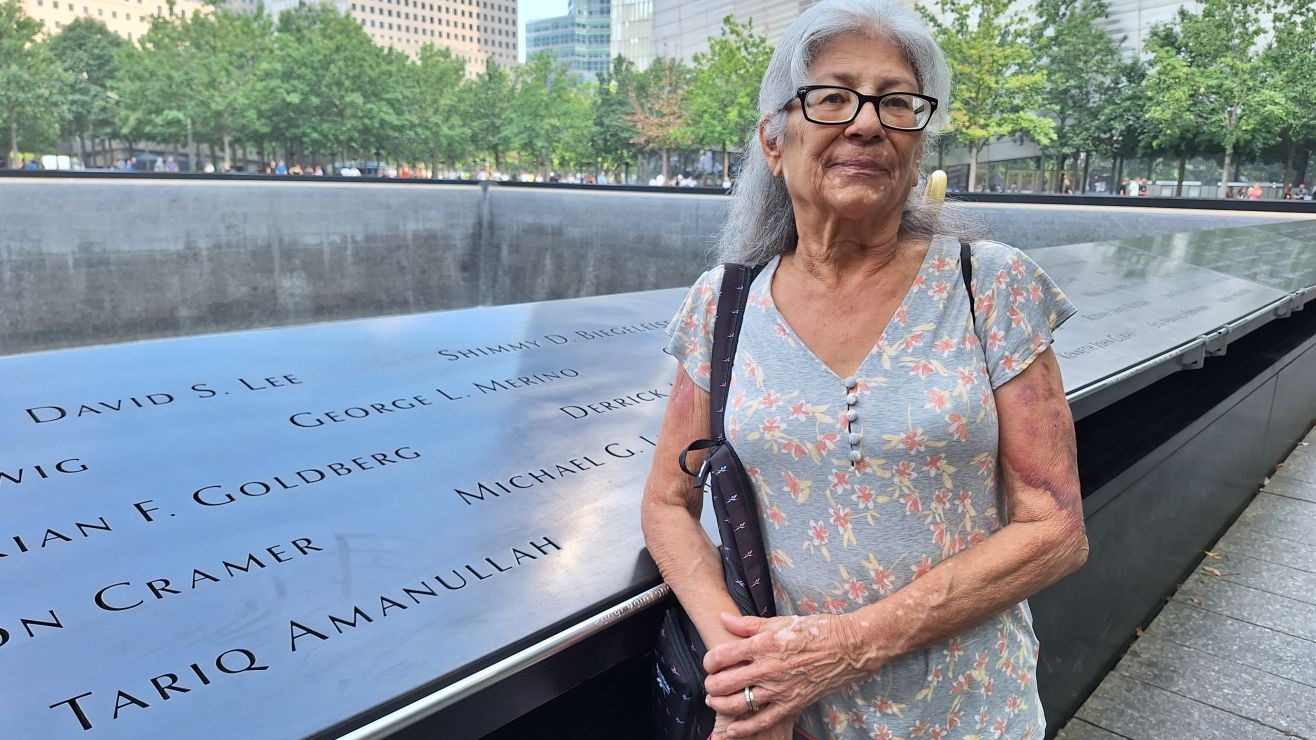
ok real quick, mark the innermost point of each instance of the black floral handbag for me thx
(678, 688)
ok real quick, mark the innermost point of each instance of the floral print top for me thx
(867, 482)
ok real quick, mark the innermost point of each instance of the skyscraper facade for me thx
(582, 37)
(632, 31)
(128, 18)
(681, 28)
(475, 30)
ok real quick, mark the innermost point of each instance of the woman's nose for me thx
(866, 122)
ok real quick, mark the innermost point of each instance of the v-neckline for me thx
(771, 272)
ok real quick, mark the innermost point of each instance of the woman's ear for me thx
(771, 152)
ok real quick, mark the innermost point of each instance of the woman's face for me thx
(857, 169)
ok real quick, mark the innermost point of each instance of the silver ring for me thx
(749, 699)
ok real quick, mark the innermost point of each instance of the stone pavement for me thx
(1233, 653)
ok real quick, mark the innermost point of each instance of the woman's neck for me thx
(835, 255)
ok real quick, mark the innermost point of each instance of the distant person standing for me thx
(1254, 192)
(1066, 187)
(1142, 186)
(170, 165)
(1124, 186)
(1301, 192)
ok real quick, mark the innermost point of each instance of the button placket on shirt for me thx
(854, 437)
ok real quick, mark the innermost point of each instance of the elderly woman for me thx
(911, 449)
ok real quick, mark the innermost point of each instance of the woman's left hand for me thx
(787, 662)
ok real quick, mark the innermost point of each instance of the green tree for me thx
(487, 109)
(1287, 62)
(612, 133)
(33, 86)
(998, 87)
(1179, 120)
(725, 88)
(1080, 60)
(1207, 73)
(436, 86)
(231, 54)
(659, 105)
(156, 83)
(550, 116)
(337, 91)
(1120, 125)
(86, 50)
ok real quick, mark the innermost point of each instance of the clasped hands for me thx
(788, 663)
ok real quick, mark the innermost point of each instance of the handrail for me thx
(480, 680)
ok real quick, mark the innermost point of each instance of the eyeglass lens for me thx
(841, 105)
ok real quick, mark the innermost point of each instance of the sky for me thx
(533, 10)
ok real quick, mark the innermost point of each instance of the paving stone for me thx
(1141, 711)
(1300, 465)
(1292, 488)
(1281, 580)
(1283, 705)
(1282, 517)
(1244, 538)
(1077, 729)
(1261, 648)
(1264, 608)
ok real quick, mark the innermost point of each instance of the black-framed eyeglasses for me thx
(834, 105)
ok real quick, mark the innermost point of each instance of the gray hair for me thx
(761, 223)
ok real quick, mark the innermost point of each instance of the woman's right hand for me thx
(784, 730)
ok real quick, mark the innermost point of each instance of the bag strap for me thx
(966, 271)
(736, 280)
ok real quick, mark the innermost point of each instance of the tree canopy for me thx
(1225, 79)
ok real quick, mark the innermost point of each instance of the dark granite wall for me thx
(94, 261)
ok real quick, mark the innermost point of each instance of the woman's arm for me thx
(792, 662)
(669, 515)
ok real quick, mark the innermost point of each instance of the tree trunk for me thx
(13, 138)
(1087, 168)
(1060, 171)
(974, 148)
(666, 159)
(1290, 151)
(1119, 173)
(82, 149)
(228, 151)
(191, 149)
(1300, 169)
(1229, 159)
(1183, 162)
(726, 163)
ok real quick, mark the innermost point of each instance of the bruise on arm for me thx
(684, 421)
(1038, 453)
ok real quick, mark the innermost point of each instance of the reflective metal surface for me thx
(267, 534)
(1136, 306)
(343, 512)
(1279, 255)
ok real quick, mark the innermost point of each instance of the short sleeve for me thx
(1018, 306)
(691, 330)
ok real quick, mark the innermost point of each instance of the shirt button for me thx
(850, 382)
(855, 437)
(856, 456)
(852, 415)
(852, 399)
